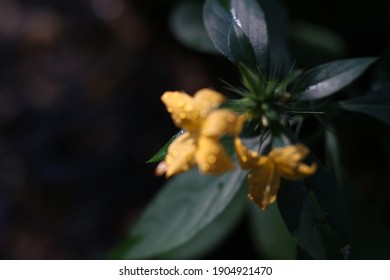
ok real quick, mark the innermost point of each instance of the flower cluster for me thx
(204, 125)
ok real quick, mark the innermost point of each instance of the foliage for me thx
(278, 98)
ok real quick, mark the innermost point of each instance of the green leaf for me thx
(186, 205)
(160, 155)
(278, 27)
(271, 237)
(326, 79)
(245, 20)
(186, 23)
(250, 18)
(208, 238)
(218, 21)
(315, 214)
(375, 104)
(240, 47)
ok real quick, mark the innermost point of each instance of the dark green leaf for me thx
(328, 78)
(208, 238)
(375, 104)
(242, 20)
(316, 215)
(218, 21)
(278, 27)
(160, 155)
(240, 47)
(187, 25)
(186, 205)
(271, 237)
(250, 18)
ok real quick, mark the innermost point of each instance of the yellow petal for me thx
(248, 159)
(306, 170)
(264, 183)
(207, 100)
(211, 157)
(288, 161)
(183, 109)
(293, 153)
(181, 153)
(220, 122)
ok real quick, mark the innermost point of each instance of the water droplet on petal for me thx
(211, 159)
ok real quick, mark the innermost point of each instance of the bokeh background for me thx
(80, 114)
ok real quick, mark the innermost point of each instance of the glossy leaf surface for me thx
(224, 18)
(214, 233)
(326, 79)
(186, 205)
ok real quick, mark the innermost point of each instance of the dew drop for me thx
(188, 108)
(211, 159)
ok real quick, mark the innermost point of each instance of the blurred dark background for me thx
(80, 112)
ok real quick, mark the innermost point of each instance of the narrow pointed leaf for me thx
(328, 78)
(240, 47)
(375, 104)
(218, 21)
(251, 19)
(221, 18)
(278, 28)
(160, 155)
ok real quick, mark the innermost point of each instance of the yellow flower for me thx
(204, 125)
(266, 171)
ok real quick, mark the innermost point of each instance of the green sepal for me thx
(160, 155)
